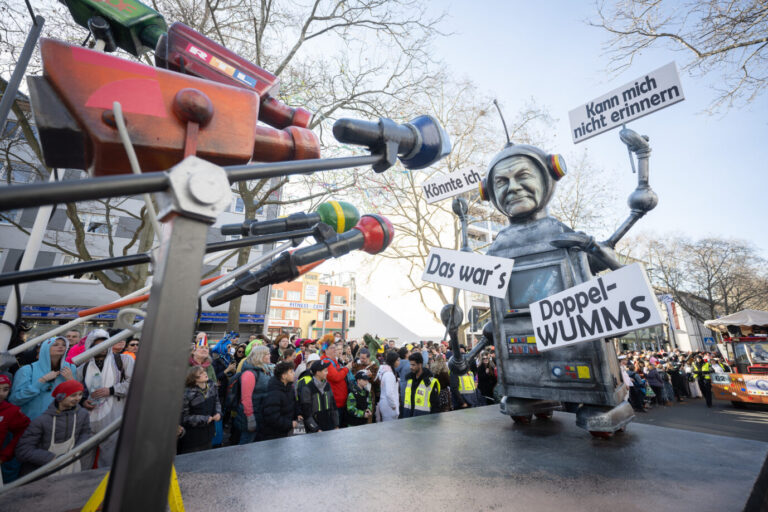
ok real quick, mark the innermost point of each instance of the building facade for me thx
(298, 307)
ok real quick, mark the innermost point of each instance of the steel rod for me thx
(9, 96)
(77, 321)
(40, 274)
(37, 194)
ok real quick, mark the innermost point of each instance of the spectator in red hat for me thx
(12, 425)
(63, 426)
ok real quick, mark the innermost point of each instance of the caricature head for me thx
(520, 181)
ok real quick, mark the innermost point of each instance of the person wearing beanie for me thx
(304, 372)
(107, 378)
(62, 427)
(33, 383)
(316, 401)
(280, 410)
(13, 422)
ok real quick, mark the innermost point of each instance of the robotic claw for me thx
(550, 257)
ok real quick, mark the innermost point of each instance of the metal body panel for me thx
(583, 373)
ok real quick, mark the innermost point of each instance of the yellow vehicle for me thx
(746, 350)
(748, 357)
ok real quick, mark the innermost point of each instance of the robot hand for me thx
(634, 141)
(601, 256)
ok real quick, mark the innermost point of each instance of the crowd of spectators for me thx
(238, 392)
(659, 378)
(235, 392)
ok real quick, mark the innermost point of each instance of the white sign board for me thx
(470, 271)
(610, 304)
(449, 185)
(649, 93)
(310, 292)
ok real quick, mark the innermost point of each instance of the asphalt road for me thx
(722, 419)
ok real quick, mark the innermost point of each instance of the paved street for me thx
(722, 419)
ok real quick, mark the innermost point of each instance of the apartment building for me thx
(298, 307)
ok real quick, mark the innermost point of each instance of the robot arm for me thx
(641, 201)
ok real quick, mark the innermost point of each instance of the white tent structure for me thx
(744, 318)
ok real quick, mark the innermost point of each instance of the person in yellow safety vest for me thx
(464, 390)
(703, 371)
(421, 389)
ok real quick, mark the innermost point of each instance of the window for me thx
(10, 128)
(319, 316)
(9, 216)
(69, 260)
(291, 314)
(277, 293)
(238, 206)
(339, 300)
(292, 295)
(275, 314)
(337, 316)
(20, 173)
(94, 223)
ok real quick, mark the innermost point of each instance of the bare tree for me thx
(584, 199)
(729, 38)
(711, 277)
(320, 50)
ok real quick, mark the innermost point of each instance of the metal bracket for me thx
(199, 190)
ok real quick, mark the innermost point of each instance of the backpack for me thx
(119, 363)
(232, 399)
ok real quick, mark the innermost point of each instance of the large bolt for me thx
(193, 106)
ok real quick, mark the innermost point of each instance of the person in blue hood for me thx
(33, 383)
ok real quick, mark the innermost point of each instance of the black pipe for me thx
(38, 194)
(40, 274)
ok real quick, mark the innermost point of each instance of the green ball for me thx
(340, 215)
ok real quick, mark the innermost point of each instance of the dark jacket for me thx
(279, 410)
(32, 449)
(358, 401)
(318, 408)
(654, 379)
(486, 380)
(434, 397)
(198, 406)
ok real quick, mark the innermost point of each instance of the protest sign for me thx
(649, 93)
(610, 304)
(449, 185)
(470, 271)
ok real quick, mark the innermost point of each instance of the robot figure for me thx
(549, 258)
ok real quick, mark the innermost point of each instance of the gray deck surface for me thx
(462, 460)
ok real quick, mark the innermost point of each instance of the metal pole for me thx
(146, 446)
(25, 196)
(137, 259)
(27, 261)
(21, 67)
(326, 311)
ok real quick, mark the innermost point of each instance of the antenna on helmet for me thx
(504, 123)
